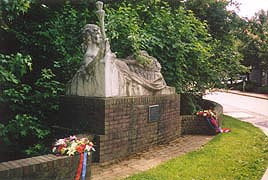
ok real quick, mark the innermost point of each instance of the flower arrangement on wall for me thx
(212, 120)
(71, 146)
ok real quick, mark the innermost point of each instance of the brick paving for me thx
(147, 159)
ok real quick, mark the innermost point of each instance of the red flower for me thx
(60, 148)
(80, 149)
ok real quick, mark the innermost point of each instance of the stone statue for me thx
(101, 74)
(92, 45)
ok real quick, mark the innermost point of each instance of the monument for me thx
(125, 104)
(101, 74)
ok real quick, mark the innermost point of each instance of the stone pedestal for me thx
(123, 125)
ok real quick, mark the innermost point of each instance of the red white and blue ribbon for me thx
(82, 167)
(84, 170)
(79, 169)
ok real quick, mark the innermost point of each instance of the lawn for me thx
(239, 155)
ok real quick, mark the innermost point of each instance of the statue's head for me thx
(91, 35)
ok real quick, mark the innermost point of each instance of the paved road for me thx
(250, 109)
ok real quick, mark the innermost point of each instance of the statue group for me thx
(102, 74)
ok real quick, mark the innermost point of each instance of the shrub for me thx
(26, 119)
(190, 103)
(50, 35)
(176, 38)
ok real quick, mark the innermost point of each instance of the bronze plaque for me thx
(154, 113)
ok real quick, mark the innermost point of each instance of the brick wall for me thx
(192, 124)
(82, 114)
(121, 124)
(121, 128)
(46, 167)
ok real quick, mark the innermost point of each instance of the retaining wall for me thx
(47, 167)
(192, 124)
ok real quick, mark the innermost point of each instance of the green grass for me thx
(239, 155)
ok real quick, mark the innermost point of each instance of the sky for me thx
(249, 7)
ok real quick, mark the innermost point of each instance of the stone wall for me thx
(46, 167)
(192, 124)
(121, 124)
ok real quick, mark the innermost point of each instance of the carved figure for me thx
(92, 47)
(102, 74)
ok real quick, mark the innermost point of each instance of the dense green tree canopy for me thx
(225, 26)
(176, 38)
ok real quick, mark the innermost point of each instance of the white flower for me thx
(54, 149)
(60, 142)
(73, 144)
(68, 146)
(89, 147)
(73, 138)
(70, 151)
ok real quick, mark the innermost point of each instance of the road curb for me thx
(260, 96)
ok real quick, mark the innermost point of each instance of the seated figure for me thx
(101, 74)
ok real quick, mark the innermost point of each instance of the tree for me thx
(214, 13)
(224, 26)
(255, 42)
(39, 50)
(175, 37)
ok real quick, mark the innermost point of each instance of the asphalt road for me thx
(249, 109)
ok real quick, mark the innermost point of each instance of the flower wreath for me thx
(71, 146)
(212, 121)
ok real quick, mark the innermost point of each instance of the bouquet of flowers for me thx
(72, 145)
(206, 113)
(212, 121)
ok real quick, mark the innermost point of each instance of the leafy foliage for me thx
(255, 41)
(9, 10)
(50, 35)
(190, 103)
(224, 26)
(20, 122)
(176, 38)
(124, 30)
(55, 42)
(214, 13)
